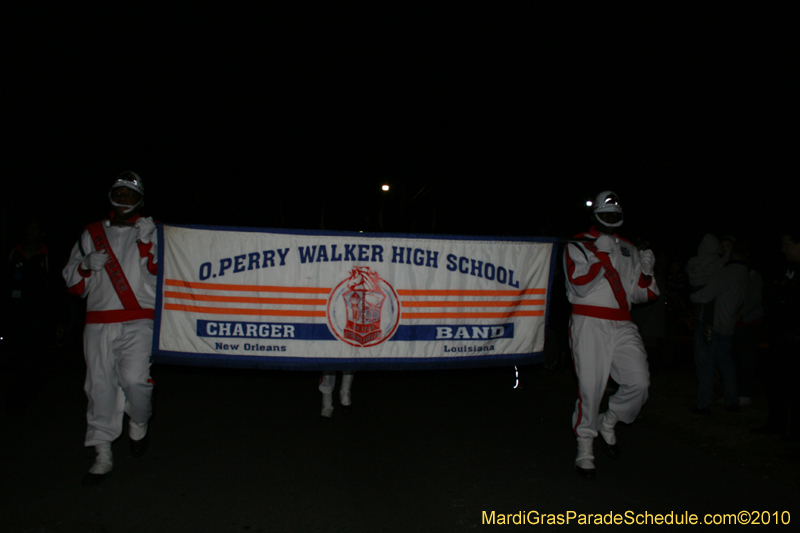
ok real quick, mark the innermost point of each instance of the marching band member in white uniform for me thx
(113, 266)
(605, 276)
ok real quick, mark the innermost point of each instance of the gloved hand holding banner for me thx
(324, 300)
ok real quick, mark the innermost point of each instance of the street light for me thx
(384, 188)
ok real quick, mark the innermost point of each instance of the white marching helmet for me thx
(132, 181)
(607, 202)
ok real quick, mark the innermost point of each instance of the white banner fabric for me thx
(349, 301)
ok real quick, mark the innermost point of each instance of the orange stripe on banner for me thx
(471, 315)
(228, 311)
(437, 292)
(249, 288)
(473, 303)
(242, 299)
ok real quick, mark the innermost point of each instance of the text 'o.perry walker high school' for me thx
(363, 253)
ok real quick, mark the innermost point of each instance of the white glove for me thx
(146, 228)
(95, 261)
(605, 243)
(648, 261)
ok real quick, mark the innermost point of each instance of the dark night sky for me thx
(506, 118)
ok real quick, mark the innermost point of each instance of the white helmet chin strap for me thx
(614, 225)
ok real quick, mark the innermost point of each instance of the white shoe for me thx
(606, 427)
(344, 391)
(327, 405)
(584, 462)
(101, 468)
(104, 461)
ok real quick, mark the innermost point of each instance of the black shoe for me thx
(93, 480)
(585, 473)
(733, 408)
(138, 447)
(698, 411)
(612, 450)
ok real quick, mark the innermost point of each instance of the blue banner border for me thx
(299, 363)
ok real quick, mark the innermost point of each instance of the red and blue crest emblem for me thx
(363, 310)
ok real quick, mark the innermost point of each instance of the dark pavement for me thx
(246, 451)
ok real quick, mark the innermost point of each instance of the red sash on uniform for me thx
(612, 276)
(114, 270)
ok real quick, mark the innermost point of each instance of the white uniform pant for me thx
(117, 377)
(601, 348)
(328, 381)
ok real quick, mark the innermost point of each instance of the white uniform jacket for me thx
(593, 290)
(126, 288)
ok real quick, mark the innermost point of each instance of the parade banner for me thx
(323, 300)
